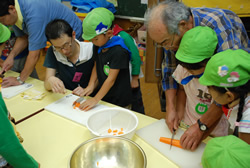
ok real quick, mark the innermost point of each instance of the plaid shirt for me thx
(230, 31)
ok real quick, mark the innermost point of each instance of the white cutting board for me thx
(12, 91)
(64, 108)
(183, 158)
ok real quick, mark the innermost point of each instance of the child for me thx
(225, 152)
(227, 76)
(10, 148)
(136, 73)
(193, 99)
(111, 61)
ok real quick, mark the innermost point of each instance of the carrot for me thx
(119, 133)
(121, 129)
(109, 130)
(115, 131)
(175, 142)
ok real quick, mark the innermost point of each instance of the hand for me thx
(172, 120)
(134, 83)
(10, 81)
(192, 137)
(7, 64)
(88, 104)
(57, 85)
(84, 92)
(78, 91)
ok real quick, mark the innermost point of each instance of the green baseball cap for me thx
(4, 33)
(98, 21)
(225, 152)
(228, 68)
(197, 44)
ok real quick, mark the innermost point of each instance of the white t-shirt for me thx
(198, 101)
(244, 124)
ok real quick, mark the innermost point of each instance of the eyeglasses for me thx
(165, 43)
(66, 46)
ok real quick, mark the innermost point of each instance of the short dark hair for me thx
(4, 6)
(193, 66)
(56, 28)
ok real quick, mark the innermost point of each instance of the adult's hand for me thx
(56, 85)
(172, 120)
(10, 81)
(192, 137)
(7, 64)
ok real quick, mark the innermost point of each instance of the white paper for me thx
(12, 91)
(64, 108)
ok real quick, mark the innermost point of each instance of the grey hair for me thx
(171, 15)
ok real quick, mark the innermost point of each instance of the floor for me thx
(149, 92)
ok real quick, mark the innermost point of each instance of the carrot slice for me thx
(121, 129)
(109, 130)
(175, 142)
(115, 131)
(119, 133)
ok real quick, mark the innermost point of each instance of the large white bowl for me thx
(114, 119)
(108, 152)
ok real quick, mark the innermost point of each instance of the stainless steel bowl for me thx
(108, 152)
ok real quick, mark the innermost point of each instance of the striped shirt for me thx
(230, 31)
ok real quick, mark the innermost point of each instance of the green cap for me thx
(4, 33)
(228, 68)
(197, 44)
(98, 21)
(225, 152)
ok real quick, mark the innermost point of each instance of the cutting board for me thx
(12, 91)
(183, 158)
(64, 108)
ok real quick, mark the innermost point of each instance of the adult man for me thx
(167, 23)
(68, 62)
(29, 19)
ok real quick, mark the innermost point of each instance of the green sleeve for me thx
(11, 149)
(135, 57)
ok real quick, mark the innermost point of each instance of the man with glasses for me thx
(68, 62)
(166, 24)
(29, 19)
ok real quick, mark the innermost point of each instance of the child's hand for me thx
(88, 104)
(78, 91)
(87, 91)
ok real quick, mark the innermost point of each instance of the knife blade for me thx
(78, 100)
(172, 139)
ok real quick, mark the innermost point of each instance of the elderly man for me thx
(166, 24)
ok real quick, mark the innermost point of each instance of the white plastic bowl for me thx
(119, 119)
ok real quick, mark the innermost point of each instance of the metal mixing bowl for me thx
(108, 152)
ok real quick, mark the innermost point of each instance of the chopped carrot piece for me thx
(115, 131)
(121, 129)
(77, 104)
(175, 142)
(97, 163)
(119, 133)
(109, 130)
(114, 134)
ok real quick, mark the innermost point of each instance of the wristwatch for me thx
(203, 127)
(19, 80)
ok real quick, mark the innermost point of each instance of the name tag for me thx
(77, 77)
